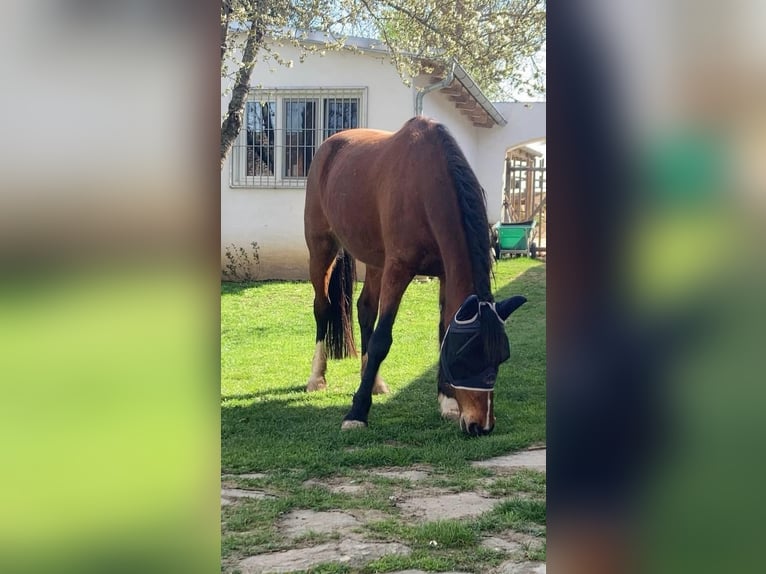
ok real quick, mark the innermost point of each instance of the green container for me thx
(514, 236)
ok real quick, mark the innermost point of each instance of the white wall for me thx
(438, 106)
(485, 148)
(274, 217)
(526, 123)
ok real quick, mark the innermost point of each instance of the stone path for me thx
(229, 494)
(444, 506)
(301, 522)
(351, 552)
(348, 545)
(533, 459)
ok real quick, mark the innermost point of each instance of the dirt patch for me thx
(367, 515)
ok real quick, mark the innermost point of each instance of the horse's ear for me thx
(507, 306)
(468, 309)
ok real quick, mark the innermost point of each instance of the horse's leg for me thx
(447, 403)
(395, 279)
(367, 310)
(321, 260)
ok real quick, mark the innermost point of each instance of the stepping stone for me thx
(495, 543)
(300, 522)
(253, 475)
(446, 506)
(340, 488)
(242, 493)
(521, 568)
(517, 540)
(354, 553)
(532, 459)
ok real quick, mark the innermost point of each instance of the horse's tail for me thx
(340, 290)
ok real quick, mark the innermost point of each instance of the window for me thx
(340, 114)
(284, 128)
(300, 136)
(259, 133)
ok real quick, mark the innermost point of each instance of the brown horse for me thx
(406, 204)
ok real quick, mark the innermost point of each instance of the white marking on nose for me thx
(449, 407)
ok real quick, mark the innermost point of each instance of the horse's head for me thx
(474, 346)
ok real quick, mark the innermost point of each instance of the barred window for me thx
(260, 134)
(284, 128)
(340, 114)
(300, 136)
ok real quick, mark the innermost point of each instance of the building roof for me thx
(471, 101)
(524, 150)
(463, 91)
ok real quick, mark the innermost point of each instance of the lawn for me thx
(269, 422)
(271, 426)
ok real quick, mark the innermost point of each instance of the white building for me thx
(290, 111)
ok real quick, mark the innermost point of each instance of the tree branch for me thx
(409, 13)
(225, 20)
(232, 123)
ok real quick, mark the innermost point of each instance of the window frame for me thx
(238, 177)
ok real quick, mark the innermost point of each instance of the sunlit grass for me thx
(269, 422)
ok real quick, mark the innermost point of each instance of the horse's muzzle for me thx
(474, 429)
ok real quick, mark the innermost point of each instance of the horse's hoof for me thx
(348, 425)
(380, 387)
(318, 384)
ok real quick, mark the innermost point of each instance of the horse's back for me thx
(372, 188)
(377, 152)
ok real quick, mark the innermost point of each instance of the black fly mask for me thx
(463, 359)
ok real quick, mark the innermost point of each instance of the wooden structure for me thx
(524, 192)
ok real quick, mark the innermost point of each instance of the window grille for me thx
(283, 129)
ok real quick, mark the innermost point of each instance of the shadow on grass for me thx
(298, 434)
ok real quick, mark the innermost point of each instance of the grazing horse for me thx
(406, 204)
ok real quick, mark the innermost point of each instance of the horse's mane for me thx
(473, 208)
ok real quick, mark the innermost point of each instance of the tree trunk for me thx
(232, 123)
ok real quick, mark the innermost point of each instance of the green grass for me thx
(270, 424)
(523, 481)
